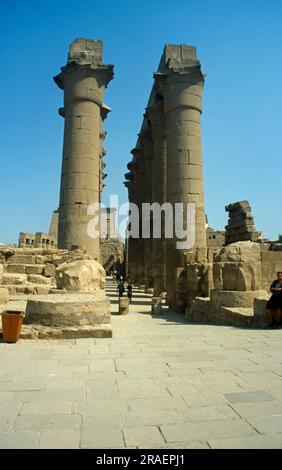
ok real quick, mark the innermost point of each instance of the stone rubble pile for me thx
(241, 226)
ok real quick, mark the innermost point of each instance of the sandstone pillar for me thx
(131, 271)
(139, 244)
(183, 88)
(146, 141)
(83, 80)
(158, 122)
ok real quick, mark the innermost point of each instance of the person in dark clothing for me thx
(121, 289)
(274, 305)
(129, 291)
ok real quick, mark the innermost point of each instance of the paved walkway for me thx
(159, 383)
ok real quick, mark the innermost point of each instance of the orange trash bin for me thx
(11, 325)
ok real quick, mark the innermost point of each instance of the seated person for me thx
(274, 305)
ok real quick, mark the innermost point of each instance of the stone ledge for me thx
(43, 332)
(203, 311)
(28, 289)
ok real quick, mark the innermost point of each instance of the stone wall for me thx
(271, 264)
(215, 238)
(242, 274)
(32, 271)
(37, 240)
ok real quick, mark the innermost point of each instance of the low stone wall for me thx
(32, 271)
(271, 262)
(206, 311)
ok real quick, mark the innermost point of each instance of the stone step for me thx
(28, 289)
(13, 279)
(27, 268)
(21, 259)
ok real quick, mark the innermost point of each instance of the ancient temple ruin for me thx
(211, 275)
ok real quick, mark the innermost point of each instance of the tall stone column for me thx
(184, 82)
(130, 248)
(83, 80)
(139, 244)
(158, 122)
(146, 141)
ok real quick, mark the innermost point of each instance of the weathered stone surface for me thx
(1, 272)
(244, 299)
(260, 309)
(271, 264)
(34, 269)
(4, 295)
(84, 275)
(33, 289)
(16, 268)
(39, 259)
(69, 310)
(202, 310)
(34, 331)
(37, 279)
(16, 279)
(21, 259)
(83, 80)
(240, 224)
(238, 267)
(49, 270)
(123, 306)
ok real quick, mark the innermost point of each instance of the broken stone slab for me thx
(69, 310)
(82, 275)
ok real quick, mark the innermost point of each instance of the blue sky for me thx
(239, 43)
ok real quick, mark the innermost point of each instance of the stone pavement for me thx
(158, 383)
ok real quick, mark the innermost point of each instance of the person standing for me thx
(129, 291)
(274, 305)
(121, 289)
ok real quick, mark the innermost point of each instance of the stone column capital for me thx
(84, 82)
(183, 88)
